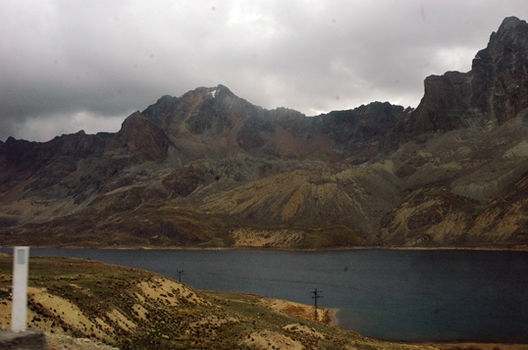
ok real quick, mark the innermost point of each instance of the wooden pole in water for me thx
(20, 282)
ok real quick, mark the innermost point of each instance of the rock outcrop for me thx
(493, 92)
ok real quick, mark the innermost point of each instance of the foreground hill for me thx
(136, 309)
(211, 169)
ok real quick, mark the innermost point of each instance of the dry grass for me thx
(136, 309)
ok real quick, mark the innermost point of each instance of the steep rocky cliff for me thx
(211, 169)
(493, 92)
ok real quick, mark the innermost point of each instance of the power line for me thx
(180, 272)
(316, 295)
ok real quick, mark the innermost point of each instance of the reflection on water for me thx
(389, 294)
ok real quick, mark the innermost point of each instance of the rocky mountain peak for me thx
(510, 25)
(221, 90)
(216, 92)
(169, 109)
(493, 92)
(511, 38)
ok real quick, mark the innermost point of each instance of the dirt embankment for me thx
(324, 314)
(85, 305)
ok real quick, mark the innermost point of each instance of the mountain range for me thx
(210, 169)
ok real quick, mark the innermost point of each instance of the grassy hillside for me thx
(136, 309)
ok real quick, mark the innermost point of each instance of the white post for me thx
(20, 282)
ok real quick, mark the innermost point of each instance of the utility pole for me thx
(180, 272)
(316, 295)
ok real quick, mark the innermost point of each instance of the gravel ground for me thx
(65, 342)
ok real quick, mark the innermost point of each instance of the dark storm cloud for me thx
(67, 65)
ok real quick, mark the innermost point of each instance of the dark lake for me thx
(421, 295)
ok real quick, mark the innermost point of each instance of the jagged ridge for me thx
(210, 168)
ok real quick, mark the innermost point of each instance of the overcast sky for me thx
(71, 65)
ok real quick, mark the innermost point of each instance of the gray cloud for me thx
(67, 65)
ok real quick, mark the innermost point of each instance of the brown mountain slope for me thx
(211, 169)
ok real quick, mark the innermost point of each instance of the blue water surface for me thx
(405, 295)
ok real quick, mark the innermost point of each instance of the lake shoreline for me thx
(332, 316)
(333, 249)
(351, 281)
(473, 346)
